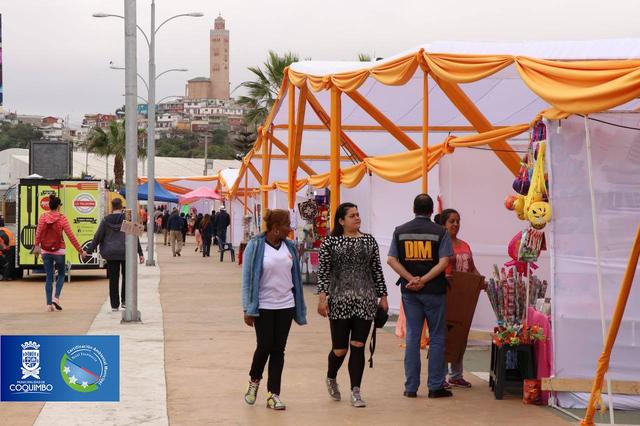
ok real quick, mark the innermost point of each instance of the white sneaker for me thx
(251, 392)
(333, 389)
(356, 399)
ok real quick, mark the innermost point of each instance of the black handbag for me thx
(378, 322)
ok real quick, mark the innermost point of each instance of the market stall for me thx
(455, 124)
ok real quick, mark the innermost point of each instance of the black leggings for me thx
(116, 268)
(272, 329)
(344, 331)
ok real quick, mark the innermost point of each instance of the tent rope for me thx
(596, 242)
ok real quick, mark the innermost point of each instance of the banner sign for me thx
(82, 205)
(60, 368)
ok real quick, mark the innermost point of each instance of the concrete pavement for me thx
(188, 362)
(142, 379)
(209, 349)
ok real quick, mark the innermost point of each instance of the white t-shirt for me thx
(276, 283)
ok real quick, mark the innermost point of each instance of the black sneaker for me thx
(440, 393)
(410, 394)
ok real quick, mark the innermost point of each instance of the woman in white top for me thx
(272, 298)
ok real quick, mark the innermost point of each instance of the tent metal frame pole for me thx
(265, 174)
(246, 188)
(425, 133)
(283, 148)
(470, 111)
(334, 174)
(614, 328)
(350, 147)
(291, 140)
(383, 120)
(297, 139)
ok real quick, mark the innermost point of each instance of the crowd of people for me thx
(207, 229)
(352, 294)
(49, 244)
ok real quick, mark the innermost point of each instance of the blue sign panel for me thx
(60, 368)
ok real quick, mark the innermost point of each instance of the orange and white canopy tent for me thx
(335, 121)
(335, 124)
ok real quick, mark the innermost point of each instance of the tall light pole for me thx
(151, 116)
(131, 313)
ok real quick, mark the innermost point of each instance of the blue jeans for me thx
(417, 308)
(50, 262)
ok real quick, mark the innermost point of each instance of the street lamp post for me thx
(131, 313)
(151, 117)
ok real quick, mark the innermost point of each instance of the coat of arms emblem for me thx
(30, 360)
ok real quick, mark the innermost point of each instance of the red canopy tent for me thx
(202, 193)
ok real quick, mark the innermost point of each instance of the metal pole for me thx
(86, 156)
(151, 142)
(206, 150)
(131, 313)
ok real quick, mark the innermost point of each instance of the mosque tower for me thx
(219, 60)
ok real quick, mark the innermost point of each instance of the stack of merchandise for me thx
(247, 232)
(507, 292)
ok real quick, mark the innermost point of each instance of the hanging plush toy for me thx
(509, 202)
(536, 209)
(518, 206)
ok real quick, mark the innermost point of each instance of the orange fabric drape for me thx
(465, 68)
(284, 185)
(394, 73)
(319, 181)
(573, 87)
(351, 176)
(581, 87)
(486, 138)
(397, 72)
(403, 167)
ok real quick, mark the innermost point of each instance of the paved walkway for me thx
(142, 380)
(205, 350)
(209, 350)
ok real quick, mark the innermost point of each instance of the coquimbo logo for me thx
(59, 368)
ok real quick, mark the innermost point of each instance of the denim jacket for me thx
(252, 271)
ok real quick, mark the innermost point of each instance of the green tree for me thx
(17, 135)
(219, 136)
(191, 145)
(263, 90)
(243, 142)
(112, 141)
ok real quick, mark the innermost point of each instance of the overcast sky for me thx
(56, 55)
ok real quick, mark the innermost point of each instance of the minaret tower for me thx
(219, 60)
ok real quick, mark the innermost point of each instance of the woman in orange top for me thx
(462, 261)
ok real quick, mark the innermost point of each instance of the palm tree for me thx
(263, 91)
(112, 141)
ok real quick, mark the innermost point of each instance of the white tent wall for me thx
(236, 211)
(391, 204)
(576, 312)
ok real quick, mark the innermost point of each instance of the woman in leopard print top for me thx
(350, 282)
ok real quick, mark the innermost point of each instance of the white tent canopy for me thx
(473, 181)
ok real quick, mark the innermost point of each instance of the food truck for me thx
(84, 205)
